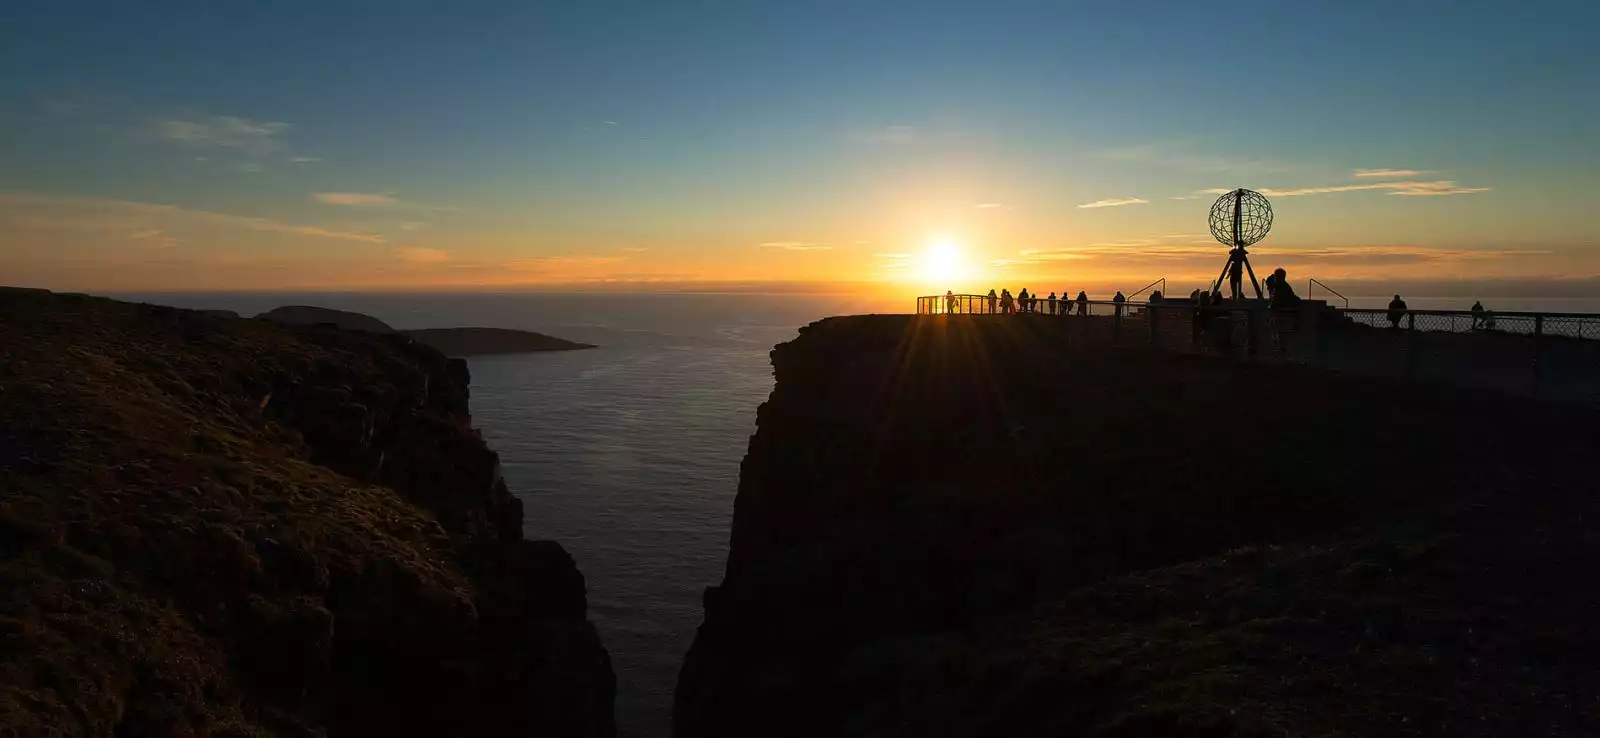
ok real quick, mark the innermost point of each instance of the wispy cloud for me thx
(412, 225)
(989, 205)
(895, 135)
(1114, 202)
(357, 199)
(422, 255)
(304, 159)
(559, 263)
(122, 215)
(795, 246)
(636, 249)
(1410, 189)
(253, 137)
(1386, 173)
(1400, 253)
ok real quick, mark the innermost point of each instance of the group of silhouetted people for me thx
(1005, 303)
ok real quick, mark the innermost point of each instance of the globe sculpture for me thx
(1239, 219)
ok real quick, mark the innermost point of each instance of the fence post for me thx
(1151, 314)
(1411, 342)
(1538, 336)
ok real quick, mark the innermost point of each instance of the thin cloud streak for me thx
(356, 199)
(795, 246)
(145, 211)
(256, 138)
(1409, 189)
(1387, 173)
(1114, 202)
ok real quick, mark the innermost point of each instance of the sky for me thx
(915, 146)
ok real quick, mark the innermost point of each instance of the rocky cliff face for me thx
(970, 527)
(215, 526)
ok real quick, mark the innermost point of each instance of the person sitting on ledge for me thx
(1397, 310)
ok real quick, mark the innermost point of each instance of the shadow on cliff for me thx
(919, 489)
(216, 526)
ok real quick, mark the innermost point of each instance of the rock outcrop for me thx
(479, 341)
(226, 527)
(312, 315)
(967, 526)
(454, 342)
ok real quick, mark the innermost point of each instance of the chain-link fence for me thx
(1551, 355)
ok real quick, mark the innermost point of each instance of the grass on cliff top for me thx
(153, 525)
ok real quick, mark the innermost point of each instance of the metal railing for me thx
(1161, 281)
(1551, 355)
(1319, 283)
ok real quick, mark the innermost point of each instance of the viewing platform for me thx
(1553, 356)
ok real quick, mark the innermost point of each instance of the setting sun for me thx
(941, 262)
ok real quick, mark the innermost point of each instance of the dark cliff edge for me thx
(454, 342)
(212, 526)
(966, 526)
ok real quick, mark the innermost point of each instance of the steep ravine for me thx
(969, 526)
(213, 526)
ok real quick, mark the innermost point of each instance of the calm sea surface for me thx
(627, 454)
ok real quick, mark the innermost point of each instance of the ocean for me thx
(628, 454)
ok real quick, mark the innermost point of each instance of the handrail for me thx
(1162, 281)
(1315, 281)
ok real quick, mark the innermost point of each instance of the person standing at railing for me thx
(991, 301)
(1477, 314)
(1118, 301)
(949, 301)
(1052, 300)
(1397, 310)
(1025, 301)
(1006, 301)
(1083, 302)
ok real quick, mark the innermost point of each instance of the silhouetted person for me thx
(1279, 293)
(1083, 302)
(1477, 315)
(1236, 278)
(1024, 302)
(1156, 297)
(1006, 301)
(1397, 310)
(1052, 300)
(949, 301)
(991, 301)
(1119, 300)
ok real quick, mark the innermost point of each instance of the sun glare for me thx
(941, 262)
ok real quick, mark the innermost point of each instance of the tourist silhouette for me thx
(1477, 315)
(1023, 301)
(1006, 301)
(1052, 301)
(1119, 300)
(1279, 293)
(1156, 297)
(991, 301)
(1083, 302)
(1397, 310)
(949, 301)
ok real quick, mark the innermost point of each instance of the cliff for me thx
(455, 342)
(226, 527)
(969, 526)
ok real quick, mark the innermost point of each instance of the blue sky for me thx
(619, 142)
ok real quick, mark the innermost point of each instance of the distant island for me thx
(456, 342)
